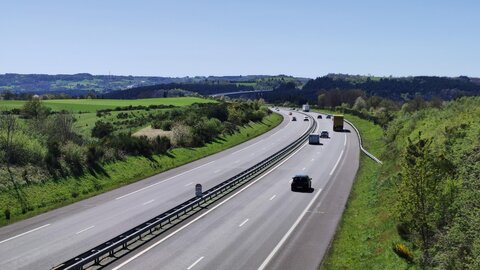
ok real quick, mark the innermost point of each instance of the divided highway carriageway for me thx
(260, 225)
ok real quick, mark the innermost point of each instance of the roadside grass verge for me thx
(366, 232)
(53, 194)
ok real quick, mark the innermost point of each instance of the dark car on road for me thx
(301, 182)
(319, 116)
(305, 119)
(324, 134)
(294, 118)
(329, 116)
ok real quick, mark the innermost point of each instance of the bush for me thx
(94, 153)
(25, 149)
(206, 130)
(163, 125)
(131, 145)
(102, 129)
(161, 144)
(229, 128)
(403, 252)
(74, 157)
(182, 135)
(34, 109)
(122, 115)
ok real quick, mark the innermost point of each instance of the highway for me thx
(46, 240)
(264, 225)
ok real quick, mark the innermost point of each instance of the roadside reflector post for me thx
(198, 191)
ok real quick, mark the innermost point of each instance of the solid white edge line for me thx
(145, 203)
(284, 238)
(207, 212)
(243, 223)
(165, 180)
(86, 229)
(193, 264)
(336, 164)
(22, 234)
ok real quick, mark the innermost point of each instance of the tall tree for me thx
(34, 109)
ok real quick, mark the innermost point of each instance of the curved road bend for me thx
(51, 238)
(265, 226)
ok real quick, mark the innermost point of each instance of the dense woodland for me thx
(163, 90)
(80, 84)
(396, 89)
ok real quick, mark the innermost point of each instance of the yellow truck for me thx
(338, 123)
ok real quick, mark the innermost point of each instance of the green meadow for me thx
(92, 105)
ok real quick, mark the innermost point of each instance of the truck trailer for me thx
(305, 107)
(338, 122)
(313, 139)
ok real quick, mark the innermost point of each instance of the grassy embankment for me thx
(53, 194)
(366, 232)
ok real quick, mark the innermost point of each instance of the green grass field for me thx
(92, 105)
(53, 194)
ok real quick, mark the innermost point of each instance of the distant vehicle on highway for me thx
(305, 119)
(314, 138)
(294, 118)
(338, 123)
(306, 107)
(329, 116)
(319, 116)
(301, 182)
(324, 134)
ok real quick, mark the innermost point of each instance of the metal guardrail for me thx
(361, 145)
(122, 242)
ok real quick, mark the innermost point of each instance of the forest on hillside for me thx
(396, 89)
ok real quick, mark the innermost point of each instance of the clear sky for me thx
(189, 38)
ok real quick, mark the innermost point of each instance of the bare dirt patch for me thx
(152, 133)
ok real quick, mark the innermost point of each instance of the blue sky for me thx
(189, 38)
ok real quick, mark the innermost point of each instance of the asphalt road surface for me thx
(265, 225)
(46, 240)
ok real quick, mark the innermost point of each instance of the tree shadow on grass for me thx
(170, 155)
(219, 140)
(96, 170)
